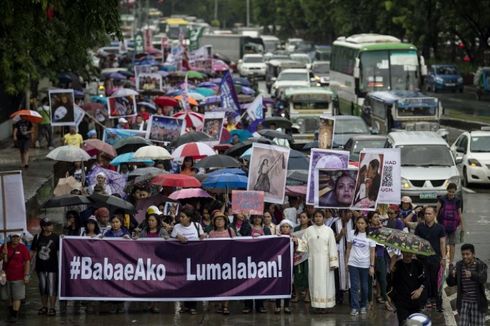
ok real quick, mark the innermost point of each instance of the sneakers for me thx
(354, 312)
(363, 311)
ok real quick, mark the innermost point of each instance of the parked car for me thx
(427, 165)
(356, 144)
(472, 152)
(443, 78)
(252, 65)
(346, 127)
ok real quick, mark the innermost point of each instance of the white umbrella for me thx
(124, 92)
(152, 152)
(68, 153)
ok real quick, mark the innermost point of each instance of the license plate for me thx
(428, 195)
(450, 84)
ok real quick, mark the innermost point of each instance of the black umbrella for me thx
(111, 202)
(310, 145)
(297, 177)
(130, 144)
(270, 133)
(261, 140)
(142, 171)
(298, 163)
(195, 136)
(218, 161)
(238, 149)
(67, 200)
(280, 122)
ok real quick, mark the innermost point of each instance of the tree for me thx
(41, 38)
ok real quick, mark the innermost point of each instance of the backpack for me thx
(449, 215)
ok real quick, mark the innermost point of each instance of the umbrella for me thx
(296, 177)
(114, 180)
(298, 161)
(189, 193)
(197, 96)
(143, 204)
(238, 149)
(100, 146)
(204, 91)
(165, 101)
(194, 150)
(194, 75)
(111, 202)
(215, 99)
(243, 134)
(218, 161)
(241, 81)
(116, 76)
(221, 147)
(225, 181)
(270, 133)
(191, 119)
(125, 92)
(129, 158)
(130, 144)
(99, 99)
(261, 140)
(296, 190)
(207, 84)
(310, 145)
(67, 200)
(176, 180)
(66, 185)
(153, 152)
(247, 90)
(92, 106)
(147, 105)
(68, 153)
(29, 115)
(403, 241)
(228, 171)
(142, 171)
(193, 136)
(190, 100)
(280, 122)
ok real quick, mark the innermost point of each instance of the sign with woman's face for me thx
(369, 181)
(61, 102)
(336, 187)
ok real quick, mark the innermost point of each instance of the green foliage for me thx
(35, 44)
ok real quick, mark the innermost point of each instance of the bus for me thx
(175, 26)
(365, 63)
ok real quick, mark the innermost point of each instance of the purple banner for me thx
(146, 270)
(229, 97)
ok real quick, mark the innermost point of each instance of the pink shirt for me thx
(222, 234)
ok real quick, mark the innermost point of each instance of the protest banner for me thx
(268, 171)
(61, 102)
(121, 106)
(162, 270)
(323, 159)
(390, 190)
(213, 125)
(12, 203)
(113, 135)
(164, 129)
(247, 202)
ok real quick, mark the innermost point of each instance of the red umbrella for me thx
(191, 119)
(225, 136)
(99, 145)
(195, 150)
(165, 101)
(30, 115)
(92, 106)
(296, 190)
(221, 147)
(176, 180)
(189, 193)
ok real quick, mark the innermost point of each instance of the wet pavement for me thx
(465, 102)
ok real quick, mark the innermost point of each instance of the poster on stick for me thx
(390, 190)
(247, 202)
(12, 203)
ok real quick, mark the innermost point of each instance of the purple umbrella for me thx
(247, 90)
(207, 84)
(163, 73)
(215, 99)
(114, 180)
(116, 76)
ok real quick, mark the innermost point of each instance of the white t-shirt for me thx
(359, 253)
(189, 232)
(291, 213)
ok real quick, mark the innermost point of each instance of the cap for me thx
(406, 199)
(92, 219)
(101, 174)
(45, 222)
(91, 133)
(16, 234)
(286, 221)
(122, 120)
(153, 210)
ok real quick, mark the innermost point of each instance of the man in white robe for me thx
(319, 241)
(341, 228)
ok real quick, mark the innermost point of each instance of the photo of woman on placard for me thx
(336, 188)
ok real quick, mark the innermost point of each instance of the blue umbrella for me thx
(128, 158)
(116, 76)
(227, 171)
(207, 84)
(225, 181)
(243, 134)
(241, 81)
(148, 105)
(99, 99)
(204, 91)
(174, 92)
(78, 93)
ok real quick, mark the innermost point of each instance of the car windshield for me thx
(350, 126)
(321, 68)
(294, 76)
(448, 70)
(360, 145)
(253, 59)
(302, 59)
(480, 144)
(427, 155)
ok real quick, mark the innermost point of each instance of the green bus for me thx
(366, 63)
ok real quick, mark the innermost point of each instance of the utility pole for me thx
(215, 9)
(248, 13)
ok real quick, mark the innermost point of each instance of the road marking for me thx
(468, 190)
(448, 311)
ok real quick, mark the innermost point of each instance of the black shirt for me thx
(23, 127)
(406, 279)
(432, 234)
(46, 248)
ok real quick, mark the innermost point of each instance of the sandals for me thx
(42, 311)
(277, 310)
(295, 299)
(307, 299)
(226, 311)
(193, 312)
(246, 311)
(51, 312)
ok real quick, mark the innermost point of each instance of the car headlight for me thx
(456, 180)
(406, 184)
(473, 163)
(460, 80)
(439, 80)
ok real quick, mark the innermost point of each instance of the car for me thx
(427, 165)
(321, 72)
(346, 127)
(472, 152)
(302, 58)
(444, 77)
(252, 65)
(290, 78)
(358, 143)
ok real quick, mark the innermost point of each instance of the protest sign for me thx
(390, 190)
(326, 132)
(121, 106)
(164, 129)
(247, 202)
(113, 135)
(12, 204)
(160, 270)
(213, 125)
(335, 188)
(368, 181)
(61, 102)
(268, 171)
(149, 82)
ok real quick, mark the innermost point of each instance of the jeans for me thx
(380, 278)
(359, 278)
(432, 264)
(45, 132)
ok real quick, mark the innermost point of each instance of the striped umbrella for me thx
(189, 193)
(191, 119)
(194, 150)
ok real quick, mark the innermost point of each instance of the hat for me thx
(286, 221)
(153, 210)
(45, 222)
(394, 208)
(16, 234)
(91, 133)
(101, 174)
(406, 199)
(122, 120)
(92, 219)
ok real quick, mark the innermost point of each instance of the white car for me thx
(252, 65)
(472, 152)
(303, 58)
(290, 78)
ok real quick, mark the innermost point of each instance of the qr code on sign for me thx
(387, 176)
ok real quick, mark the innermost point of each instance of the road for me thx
(465, 102)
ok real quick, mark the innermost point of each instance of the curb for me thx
(463, 124)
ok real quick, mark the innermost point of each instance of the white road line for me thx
(448, 311)
(468, 190)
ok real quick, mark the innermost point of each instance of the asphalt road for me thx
(465, 102)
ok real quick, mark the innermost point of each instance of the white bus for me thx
(365, 63)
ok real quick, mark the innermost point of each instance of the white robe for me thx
(344, 277)
(319, 242)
